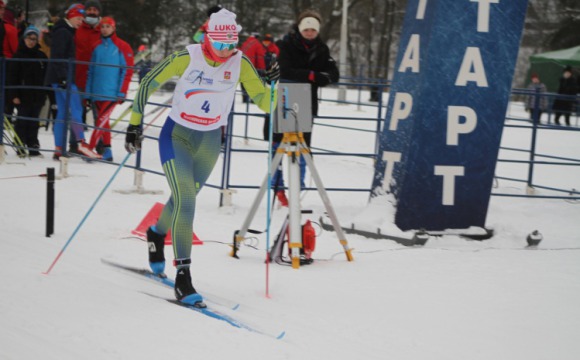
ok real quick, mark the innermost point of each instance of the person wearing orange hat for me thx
(8, 35)
(190, 140)
(260, 51)
(106, 85)
(63, 48)
(536, 104)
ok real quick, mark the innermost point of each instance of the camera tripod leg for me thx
(239, 236)
(295, 241)
(329, 209)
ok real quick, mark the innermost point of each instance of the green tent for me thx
(550, 65)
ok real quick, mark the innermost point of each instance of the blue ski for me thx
(163, 279)
(213, 313)
(208, 311)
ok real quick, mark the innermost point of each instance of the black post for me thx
(27, 10)
(49, 201)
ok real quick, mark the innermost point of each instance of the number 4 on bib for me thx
(205, 106)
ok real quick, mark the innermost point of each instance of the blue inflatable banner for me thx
(446, 110)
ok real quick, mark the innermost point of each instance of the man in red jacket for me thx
(86, 36)
(8, 35)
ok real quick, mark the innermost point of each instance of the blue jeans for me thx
(76, 115)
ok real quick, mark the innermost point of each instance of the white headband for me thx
(309, 23)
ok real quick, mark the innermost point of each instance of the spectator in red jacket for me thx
(86, 36)
(254, 51)
(260, 52)
(8, 35)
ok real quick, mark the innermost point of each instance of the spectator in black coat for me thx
(567, 87)
(28, 101)
(303, 58)
(63, 48)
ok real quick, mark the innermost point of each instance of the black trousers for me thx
(27, 130)
(566, 117)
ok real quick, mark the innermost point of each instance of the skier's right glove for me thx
(273, 72)
(133, 139)
(322, 78)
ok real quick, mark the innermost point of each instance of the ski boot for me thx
(57, 153)
(156, 244)
(107, 154)
(184, 290)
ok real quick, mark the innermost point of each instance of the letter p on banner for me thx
(437, 107)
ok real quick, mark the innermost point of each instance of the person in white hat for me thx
(303, 58)
(190, 141)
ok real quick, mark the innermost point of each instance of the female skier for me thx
(189, 143)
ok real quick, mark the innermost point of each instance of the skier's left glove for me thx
(273, 72)
(133, 139)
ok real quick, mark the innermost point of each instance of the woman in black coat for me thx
(29, 102)
(567, 87)
(303, 58)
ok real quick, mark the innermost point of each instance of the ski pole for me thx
(268, 198)
(47, 272)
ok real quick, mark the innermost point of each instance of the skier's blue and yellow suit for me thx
(188, 154)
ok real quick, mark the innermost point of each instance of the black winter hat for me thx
(95, 4)
(214, 9)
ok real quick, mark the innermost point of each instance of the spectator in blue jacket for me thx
(107, 85)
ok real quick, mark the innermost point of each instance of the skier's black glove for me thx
(133, 139)
(273, 72)
(322, 78)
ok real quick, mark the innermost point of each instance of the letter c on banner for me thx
(402, 106)
(454, 127)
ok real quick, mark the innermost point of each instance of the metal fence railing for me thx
(371, 95)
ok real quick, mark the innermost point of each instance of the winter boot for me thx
(33, 151)
(184, 290)
(57, 153)
(107, 153)
(156, 244)
(282, 198)
(100, 148)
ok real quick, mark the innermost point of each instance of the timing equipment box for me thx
(294, 109)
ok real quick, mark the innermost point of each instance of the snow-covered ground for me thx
(450, 299)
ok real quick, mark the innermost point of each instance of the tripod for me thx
(293, 146)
